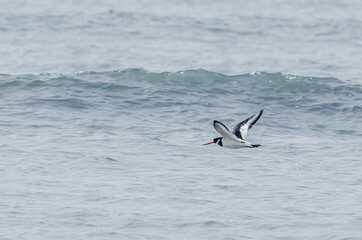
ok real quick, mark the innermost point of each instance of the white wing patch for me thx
(241, 130)
(224, 131)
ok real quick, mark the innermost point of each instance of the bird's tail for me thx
(254, 145)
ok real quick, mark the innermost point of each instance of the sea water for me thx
(105, 107)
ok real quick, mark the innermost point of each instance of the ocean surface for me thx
(105, 106)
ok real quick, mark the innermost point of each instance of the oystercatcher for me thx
(235, 139)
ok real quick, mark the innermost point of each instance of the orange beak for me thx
(207, 143)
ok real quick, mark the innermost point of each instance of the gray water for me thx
(105, 107)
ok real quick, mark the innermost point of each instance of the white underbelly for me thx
(231, 143)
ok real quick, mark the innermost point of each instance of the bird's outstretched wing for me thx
(241, 130)
(223, 130)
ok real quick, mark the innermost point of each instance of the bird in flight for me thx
(235, 139)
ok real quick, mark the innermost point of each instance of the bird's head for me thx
(216, 140)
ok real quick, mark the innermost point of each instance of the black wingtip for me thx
(255, 120)
(217, 122)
